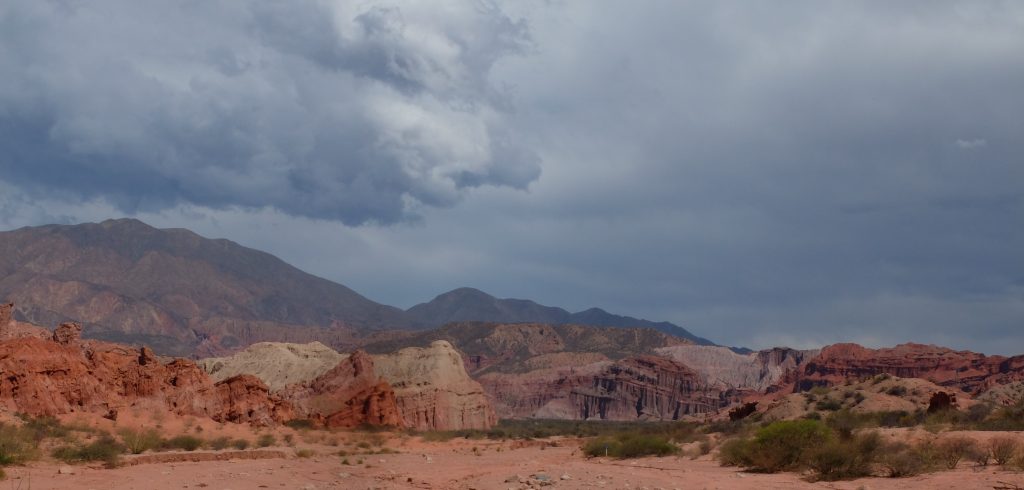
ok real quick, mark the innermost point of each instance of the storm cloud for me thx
(774, 173)
(319, 109)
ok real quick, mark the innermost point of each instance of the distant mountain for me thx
(468, 305)
(184, 294)
(173, 289)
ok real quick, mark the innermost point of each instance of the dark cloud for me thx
(318, 109)
(796, 173)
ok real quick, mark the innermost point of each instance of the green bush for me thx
(300, 424)
(735, 452)
(896, 390)
(266, 440)
(781, 445)
(105, 449)
(844, 459)
(902, 460)
(828, 405)
(185, 442)
(630, 445)
(219, 443)
(138, 442)
(240, 444)
(17, 444)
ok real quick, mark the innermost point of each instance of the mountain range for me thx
(184, 294)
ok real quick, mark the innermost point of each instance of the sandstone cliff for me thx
(277, 364)
(646, 388)
(417, 388)
(66, 374)
(723, 368)
(433, 389)
(964, 370)
(348, 395)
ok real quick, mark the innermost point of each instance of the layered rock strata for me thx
(433, 389)
(348, 395)
(66, 374)
(968, 371)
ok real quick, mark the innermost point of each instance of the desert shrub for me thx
(17, 444)
(629, 445)
(220, 443)
(978, 412)
(240, 444)
(44, 427)
(978, 455)
(901, 460)
(704, 448)
(266, 440)
(829, 405)
(140, 441)
(300, 424)
(1009, 418)
(844, 459)
(304, 453)
(105, 449)
(781, 445)
(844, 422)
(951, 450)
(735, 452)
(896, 390)
(184, 442)
(1003, 449)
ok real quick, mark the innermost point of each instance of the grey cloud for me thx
(319, 109)
(759, 173)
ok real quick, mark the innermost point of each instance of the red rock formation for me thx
(433, 390)
(349, 395)
(6, 314)
(647, 388)
(65, 375)
(965, 370)
(68, 334)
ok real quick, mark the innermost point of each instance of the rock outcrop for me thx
(348, 395)
(433, 389)
(65, 375)
(964, 370)
(278, 364)
(6, 314)
(645, 388)
(725, 369)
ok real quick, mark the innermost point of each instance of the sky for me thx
(762, 173)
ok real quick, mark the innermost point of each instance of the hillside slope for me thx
(173, 289)
(473, 305)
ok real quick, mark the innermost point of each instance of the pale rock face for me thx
(278, 364)
(723, 368)
(433, 389)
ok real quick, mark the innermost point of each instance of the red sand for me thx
(456, 465)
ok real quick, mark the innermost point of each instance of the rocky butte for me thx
(64, 374)
(422, 388)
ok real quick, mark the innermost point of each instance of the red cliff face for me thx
(646, 388)
(66, 375)
(969, 371)
(349, 395)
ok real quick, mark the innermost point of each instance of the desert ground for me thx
(381, 460)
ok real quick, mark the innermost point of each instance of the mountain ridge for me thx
(454, 306)
(185, 294)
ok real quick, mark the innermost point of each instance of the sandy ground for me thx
(456, 465)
